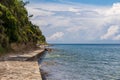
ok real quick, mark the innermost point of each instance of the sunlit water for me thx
(83, 62)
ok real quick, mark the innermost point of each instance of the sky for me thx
(77, 21)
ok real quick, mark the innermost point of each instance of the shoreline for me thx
(43, 74)
(21, 66)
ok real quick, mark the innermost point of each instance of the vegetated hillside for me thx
(15, 26)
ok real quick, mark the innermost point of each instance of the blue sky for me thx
(94, 2)
(77, 21)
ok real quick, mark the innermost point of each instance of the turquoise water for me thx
(83, 62)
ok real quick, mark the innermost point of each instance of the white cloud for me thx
(88, 22)
(51, 6)
(56, 35)
(109, 11)
(115, 10)
(111, 33)
(73, 9)
(37, 12)
(117, 37)
(75, 29)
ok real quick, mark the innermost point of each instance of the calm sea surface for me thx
(83, 62)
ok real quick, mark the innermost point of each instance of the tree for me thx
(15, 26)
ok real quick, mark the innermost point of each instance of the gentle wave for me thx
(83, 62)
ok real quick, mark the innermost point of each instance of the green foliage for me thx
(15, 26)
(2, 50)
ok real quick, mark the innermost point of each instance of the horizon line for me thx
(88, 43)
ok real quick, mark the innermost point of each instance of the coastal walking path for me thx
(21, 67)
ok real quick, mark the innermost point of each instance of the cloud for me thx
(115, 10)
(36, 12)
(111, 33)
(73, 9)
(83, 22)
(75, 29)
(111, 18)
(117, 37)
(56, 36)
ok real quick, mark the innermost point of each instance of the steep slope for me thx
(15, 26)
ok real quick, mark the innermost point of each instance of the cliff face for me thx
(15, 26)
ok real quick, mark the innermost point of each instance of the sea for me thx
(82, 62)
